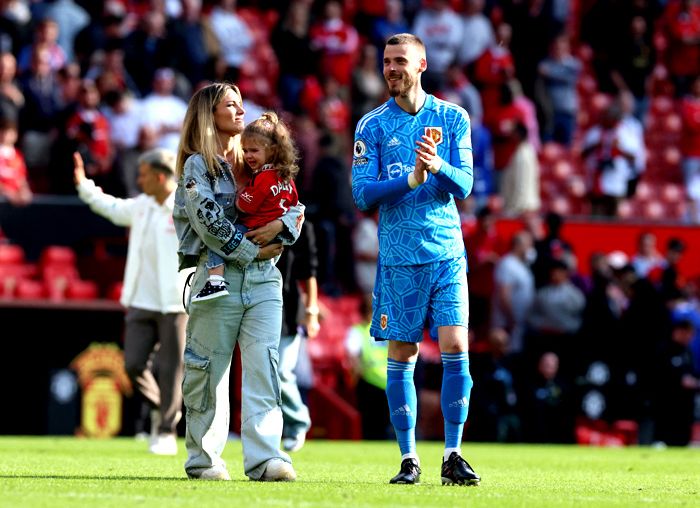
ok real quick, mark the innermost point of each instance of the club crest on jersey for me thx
(360, 148)
(435, 133)
(383, 321)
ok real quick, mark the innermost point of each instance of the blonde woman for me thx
(210, 169)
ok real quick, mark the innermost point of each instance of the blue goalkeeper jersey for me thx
(421, 225)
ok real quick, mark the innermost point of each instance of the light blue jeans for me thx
(294, 411)
(249, 316)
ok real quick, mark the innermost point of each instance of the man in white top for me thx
(232, 35)
(477, 33)
(164, 111)
(152, 288)
(514, 290)
(440, 28)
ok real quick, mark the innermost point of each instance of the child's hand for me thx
(265, 234)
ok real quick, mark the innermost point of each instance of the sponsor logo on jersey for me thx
(247, 197)
(359, 161)
(393, 142)
(360, 148)
(435, 133)
(383, 321)
(397, 169)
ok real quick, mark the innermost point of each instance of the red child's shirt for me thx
(266, 198)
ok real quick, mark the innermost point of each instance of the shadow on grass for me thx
(91, 477)
(174, 479)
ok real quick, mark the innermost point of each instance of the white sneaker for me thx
(163, 444)
(294, 444)
(278, 470)
(215, 473)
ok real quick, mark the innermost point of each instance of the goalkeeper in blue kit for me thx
(412, 157)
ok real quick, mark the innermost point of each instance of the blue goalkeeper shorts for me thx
(409, 298)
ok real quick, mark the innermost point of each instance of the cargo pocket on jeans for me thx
(274, 373)
(195, 384)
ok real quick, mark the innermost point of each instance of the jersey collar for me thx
(427, 104)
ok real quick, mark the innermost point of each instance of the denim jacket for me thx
(205, 214)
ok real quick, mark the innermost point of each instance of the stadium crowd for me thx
(551, 86)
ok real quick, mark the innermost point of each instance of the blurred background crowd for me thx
(579, 109)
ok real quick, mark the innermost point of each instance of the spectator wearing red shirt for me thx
(337, 42)
(89, 128)
(682, 25)
(13, 171)
(485, 247)
(505, 116)
(493, 69)
(690, 147)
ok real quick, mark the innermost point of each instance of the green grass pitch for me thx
(119, 473)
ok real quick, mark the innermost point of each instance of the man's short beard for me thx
(402, 91)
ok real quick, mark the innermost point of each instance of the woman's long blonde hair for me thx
(274, 133)
(199, 133)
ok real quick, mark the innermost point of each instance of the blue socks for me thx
(403, 403)
(401, 395)
(456, 386)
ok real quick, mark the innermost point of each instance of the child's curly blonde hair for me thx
(276, 138)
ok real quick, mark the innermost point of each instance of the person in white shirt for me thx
(514, 290)
(440, 28)
(232, 36)
(477, 33)
(164, 111)
(152, 288)
(609, 152)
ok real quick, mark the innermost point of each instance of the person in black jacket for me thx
(677, 385)
(298, 265)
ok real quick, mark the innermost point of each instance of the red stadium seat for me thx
(561, 205)
(563, 169)
(28, 289)
(661, 105)
(672, 123)
(576, 186)
(57, 278)
(82, 290)
(672, 193)
(672, 156)
(11, 254)
(551, 152)
(644, 191)
(115, 291)
(654, 210)
(625, 210)
(57, 255)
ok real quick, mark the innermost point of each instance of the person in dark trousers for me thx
(677, 384)
(298, 265)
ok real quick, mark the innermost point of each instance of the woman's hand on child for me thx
(265, 234)
(270, 251)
